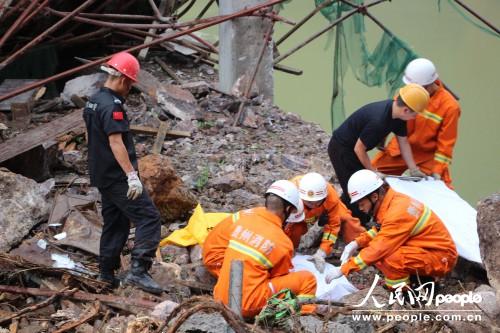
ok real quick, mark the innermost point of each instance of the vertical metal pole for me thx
(235, 288)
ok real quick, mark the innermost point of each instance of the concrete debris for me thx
(82, 86)
(24, 204)
(163, 310)
(228, 182)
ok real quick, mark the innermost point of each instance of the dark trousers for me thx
(345, 163)
(117, 213)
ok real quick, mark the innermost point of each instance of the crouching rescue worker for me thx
(322, 201)
(258, 240)
(432, 134)
(217, 240)
(410, 240)
(112, 166)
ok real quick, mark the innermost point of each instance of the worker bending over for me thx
(217, 240)
(258, 240)
(321, 199)
(410, 239)
(432, 134)
(366, 128)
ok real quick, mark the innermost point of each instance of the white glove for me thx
(335, 273)
(417, 173)
(349, 250)
(436, 176)
(319, 260)
(134, 185)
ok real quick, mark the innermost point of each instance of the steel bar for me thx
(322, 31)
(13, 9)
(204, 10)
(17, 23)
(118, 16)
(248, 88)
(303, 21)
(36, 11)
(479, 17)
(215, 20)
(85, 37)
(37, 39)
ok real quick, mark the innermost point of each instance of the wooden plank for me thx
(148, 130)
(44, 135)
(160, 138)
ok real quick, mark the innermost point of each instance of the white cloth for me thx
(334, 291)
(458, 216)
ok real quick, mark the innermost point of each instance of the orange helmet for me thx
(126, 64)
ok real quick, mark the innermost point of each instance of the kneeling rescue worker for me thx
(410, 239)
(258, 240)
(112, 167)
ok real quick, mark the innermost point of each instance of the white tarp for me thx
(334, 291)
(458, 216)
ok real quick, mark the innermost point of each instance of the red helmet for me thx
(126, 64)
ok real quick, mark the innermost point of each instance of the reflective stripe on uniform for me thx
(442, 158)
(310, 220)
(329, 236)
(359, 262)
(236, 217)
(302, 297)
(422, 221)
(432, 116)
(251, 252)
(372, 233)
(273, 291)
(391, 283)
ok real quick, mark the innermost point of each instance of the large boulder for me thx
(23, 204)
(488, 228)
(166, 188)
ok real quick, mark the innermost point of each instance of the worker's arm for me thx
(120, 152)
(366, 237)
(446, 138)
(360, 151)
(404, 147)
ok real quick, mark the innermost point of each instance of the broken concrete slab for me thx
(83, 231)
(166, 188)
(24, 203)
(83, 86)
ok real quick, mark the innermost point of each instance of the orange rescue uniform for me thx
(215, 244)
(339, 217)
(432, 136)
(258, 240)
(412, 239)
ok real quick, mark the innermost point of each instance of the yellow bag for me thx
(197, 229)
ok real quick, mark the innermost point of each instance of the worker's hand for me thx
(349, 250)
(417, 173)
(319, 260)
(335, 273)
(436, 176)
(134, 185)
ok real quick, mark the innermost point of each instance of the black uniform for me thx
(371, 124)
(103, 116)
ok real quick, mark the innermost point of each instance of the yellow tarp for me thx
(196, 231)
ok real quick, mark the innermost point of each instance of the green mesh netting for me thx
(383, 66)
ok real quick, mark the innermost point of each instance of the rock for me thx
(294, 162)
(488, 229)
(171, 197)
(177, 102)
(380, 294)
(489, 303)
(176, 254)
(312, 324)
(204, 322)
(356, 326)
(83, 86)
(244, 199)
(201, 274)
(142, 324)
(229, 182)
(198, 88)
(195, 254)
(23, 204)
(312, 238)
(447, 310)
(250, 118)
(163, 310)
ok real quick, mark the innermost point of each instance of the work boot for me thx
(139, 277)
(109, 278)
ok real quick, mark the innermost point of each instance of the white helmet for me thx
(420, 71)
(298, 216)
(362, 183)
(312, 187)
(287, 191)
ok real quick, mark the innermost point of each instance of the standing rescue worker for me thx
(369, 126)
(432, 134)
(112, 168)
(257, 239)
(217, 240)
(321, 200)
(410, 238)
